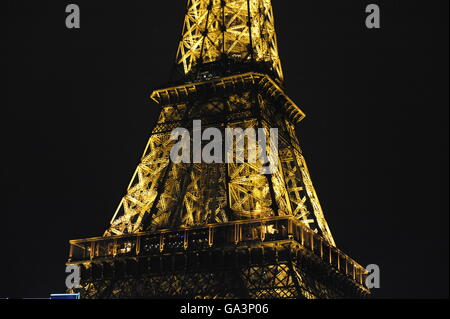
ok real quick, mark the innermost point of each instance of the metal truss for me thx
(259, 282)
(240, 30)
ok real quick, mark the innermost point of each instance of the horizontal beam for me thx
(266, 231)
(231, 84)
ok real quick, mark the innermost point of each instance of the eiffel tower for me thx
(220, 230)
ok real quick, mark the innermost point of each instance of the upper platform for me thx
(262, 82)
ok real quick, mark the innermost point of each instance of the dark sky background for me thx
(77, 117)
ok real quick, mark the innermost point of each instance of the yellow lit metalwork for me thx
(197, 194)
(243, 30)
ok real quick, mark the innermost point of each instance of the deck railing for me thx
(217, 235)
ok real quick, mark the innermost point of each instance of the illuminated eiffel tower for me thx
(220, 230)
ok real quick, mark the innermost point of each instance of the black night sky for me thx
(78, 115)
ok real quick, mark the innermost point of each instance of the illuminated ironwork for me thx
(277, 257)
(241, 30)
(221, 230)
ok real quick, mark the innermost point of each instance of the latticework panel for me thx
(143, 188)
(242, 30)
(285, 280)
(210, 285)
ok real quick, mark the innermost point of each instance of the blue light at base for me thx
(65, 296)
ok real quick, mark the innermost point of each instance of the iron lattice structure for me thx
(221, 230)
(243, 30)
